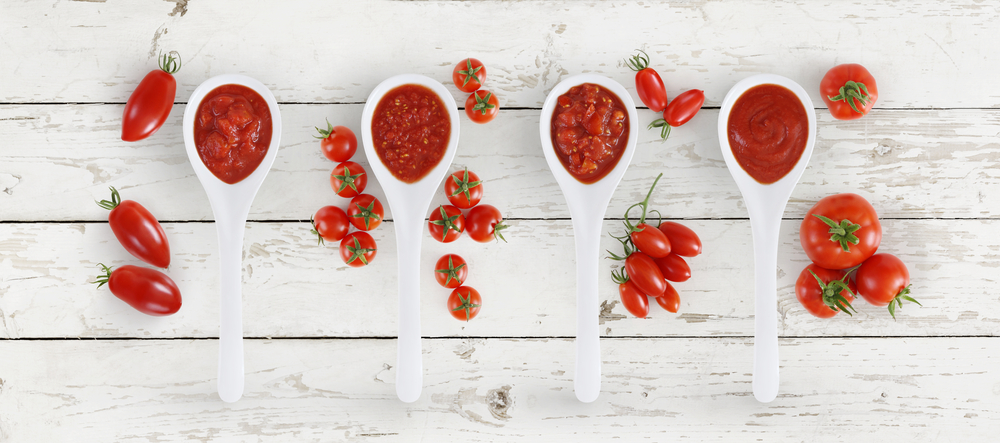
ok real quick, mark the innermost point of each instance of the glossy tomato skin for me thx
(643, 271)
(810, 295)
(331, 223)
(633, 299)
(670, 300)
(358, 249)
(482, 221)
(448, 227)
(674, 268)
(140, 234)
(881, 278)
(684, 107)
(464, 303)
(340, 145)
(814, 234)
(482, 106)
(460, 183)
(147, 290)
(349, 179)
(683, 241)
(365, 212)
(148, 106)
(463, 81)
(451, 270)
(651, 241)
(651, 89)
(836, 78)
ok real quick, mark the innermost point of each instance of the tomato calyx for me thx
(324, 133)
(898, 300)
(842, 232)
(357, 252)
(316, 231)
(466, 305)
(638, 62)
(470, 73)
(483, 103)
(853, 90)
(447, 223)
(664, 127)
(347, 180)
(497, 235)
(170, 62)
(627, 245)
(451, 272)
(103, 279)
(620, 277)
(116, 199)
(367, 213)
(464, 185)
(644, 205)
(831, 293)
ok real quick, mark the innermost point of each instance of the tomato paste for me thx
(232, 132)
(589, 131)
(410, 131)
(768, 128)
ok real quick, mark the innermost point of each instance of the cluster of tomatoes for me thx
(841, 234)
(653, 255)
(653, 94)
(364, 212)
(482, 105)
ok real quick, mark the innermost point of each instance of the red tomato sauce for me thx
(232, 132)
(410, 131)
(768, 128)
(589, 131)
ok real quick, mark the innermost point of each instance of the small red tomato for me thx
(650, 241)
(150, 103)
(451, 271)
(824, 292)
(683, 241)
(482, 106)
(338, 142)
(469, 75)
(633, 299)
(647, 276)
(464, 189)
(840, 231)
(464, 303)
(674, 268)
(884, 280)
(365, 212)
(147, 290)
(680, 111)
(330, 223)
(358, 249)
(670, 300)
(849, 90)
(648, 83)
(485, 223)
(446, 223)
(137, 230)
(349, 179)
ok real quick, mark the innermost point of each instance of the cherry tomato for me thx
(648, 83)
(683, 241)
(674, 268)
(137, 230)
(147, 290)
(651, 241)
(365, 212)
(679, 111)
(647, 276)
(358, 249)
(840, 231)
(330, 223)
(349, 179)
(884, 280)
(446, 223)
(338, 142)
(451, 271)
(485, 223)
(150, 103)
(849, 90)
(670, 300)
(482, 106)
(464, 189)
(633, 299)
(464, 303)
(824, 299)
(469, 75)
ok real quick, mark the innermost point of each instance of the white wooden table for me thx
(76, 364)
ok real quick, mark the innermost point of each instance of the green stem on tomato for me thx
(842, 232)
(664, 128)
(116, 200)
(898, 300)
(638, 62)
(644, 205)
(857, 91)
(831, 293)
(169, 63)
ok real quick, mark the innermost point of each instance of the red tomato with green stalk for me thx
(147, 290)
(348, 179)
(150, 103)
(824, 292)
(482, 106)
(884, 280)
(365, 212)
(647, 238)
(683, 241)
(358, 249)
(338, 142)
(849, 91)
(464, 189)
(464, 303)
(137, 230)
(446, 223)
(840, 231)
(451, 271)
(485, 223)
(469, 75)
(684, 107)
(634, 300)
(670, 300)
(330, 224)
(648, 83)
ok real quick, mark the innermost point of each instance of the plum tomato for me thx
(648, 83)
(330, 224)
(482, 106)
(338, 142)
(670, 300)
(849, 91)
(446, 223)
(647, 276)
(365, 212)
(840, 231)
(137, 230)
(632, 297)
(680, 111)
(150, 103)
(358, 249)
(469, 75)
(650, 241)
(464, 303)
(884, 280)
(683, 241)
(464, 189)
(451, 271)
(485, 223)
(147, 290)
(824, 292)
(349, 179)
(674, 268)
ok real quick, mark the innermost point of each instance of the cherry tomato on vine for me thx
(150, 103)
(884, 280)
(464, 303)
(338, 142)
(451, 271)
(648, 83)
(482, 106)
(469, 75)
(446, 223)
(632, 297)
(824, 292)
(358, 249)
(674, 268)
(485, 223)
(840, 231)
(647, 276)
(365, 212)
(650, 241)
(683, 241)
(849, 90)
(147, 290)
(330, 224)
(680, 111)
(137, 230)
(464, 189)
(670, 300)
(349, 179)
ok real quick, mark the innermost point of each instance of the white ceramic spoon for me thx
(409, 204)
(766, 204)
(587, 204)
(230, 206)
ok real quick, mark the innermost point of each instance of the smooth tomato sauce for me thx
(232, 132)
(589, 131)
(768, 128)
(410, 131)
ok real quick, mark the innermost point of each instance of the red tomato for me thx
(330, 223)
(679, 111)
(365, 212)
(358, 249)
(674, 268)
(840, 231)
(150, 103)
(884, 280)
(349, 179)
(648, 83)
(824, 299)
(446, 223)
(339, 142)
(647, 276)
(670, 300)
(469, 75)
(147, 290)
(849, 90)
(464, 189)
(137, 230)
(651, 241)
(451, 271)
(484, 223)
(633, 299)
(683, 241)
(464, 303)
(482, 106)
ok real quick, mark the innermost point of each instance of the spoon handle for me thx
(587, 385)
(230, 231)
(765, 345)
(409, 361)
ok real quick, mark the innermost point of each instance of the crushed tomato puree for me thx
(768, 128)
(232, 132)
(410, 131)
(589, 131)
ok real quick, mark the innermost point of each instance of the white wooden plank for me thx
(832, 390)
(293, 288)
(311, 51)
(57, 159)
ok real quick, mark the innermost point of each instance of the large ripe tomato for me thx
(365, 212)
(683, 241)
(358, 249)
(338, 142)
(349, 179)
(840, 231)
(464, 189)
(884, 280)
(137, 230)
(469, 75)
(451, 271)
(823, 292)
(647, 276)
(680, 111)
(650, 241)
(147, 290)
(670, 300)
(446, 223)
(464, 303)
(485, 223)
(674, 268)
(849, 90)
(648, 83)
(150, 103)
(330, 224)
(482, 106)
